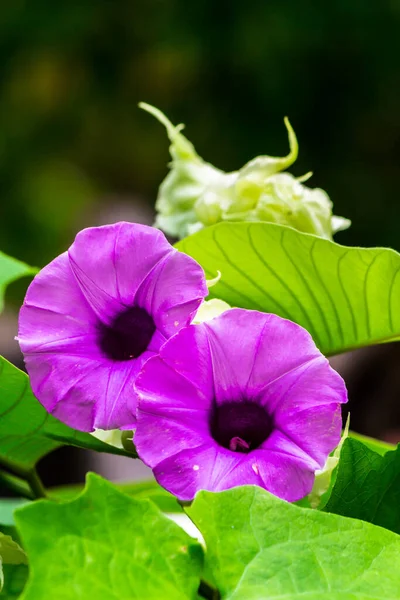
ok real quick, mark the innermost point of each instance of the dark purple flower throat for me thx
(240, 426)
(129, 334)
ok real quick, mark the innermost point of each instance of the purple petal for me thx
(83, 330)
(172, 411)
(322, 423)
(312, 384)
(176, 443)
(305, 405)
(245, 398)
(155, 443)
(251, 349)
(69, 374)
(284, 476)
(156, 342)
(84, 393)
(211, 468)
(173, 292)
(54, 294)
(110, 263)
(170, 389)
(279, 443)
(195, 469)
(187, 355)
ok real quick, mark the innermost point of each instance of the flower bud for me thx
(184, 184)
(323, 477)
(113, 437)
(209, 309)
(195, 194)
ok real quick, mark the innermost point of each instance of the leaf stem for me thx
(30, 476)
(16, 485)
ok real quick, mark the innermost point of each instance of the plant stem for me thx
(35, 484)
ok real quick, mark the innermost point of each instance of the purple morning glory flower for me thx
(95, 314)
(245, 398)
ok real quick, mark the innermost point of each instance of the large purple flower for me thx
(95, 314)
(245, 398)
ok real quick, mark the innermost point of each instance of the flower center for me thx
(240, 426)
(128, 335)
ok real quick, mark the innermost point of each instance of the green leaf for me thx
(11, 269)
(262, 548)
(345, 297)
(376, 445)
(106, 545)
(367, 486)
(149, 490)
(27, 431)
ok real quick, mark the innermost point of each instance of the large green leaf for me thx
(262, 548)
(345, 297)
(373, 444)
(27, 431)
(150, 490)
(106, 545)
(367, 486)
(11, 269)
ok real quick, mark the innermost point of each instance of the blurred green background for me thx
(75, 150)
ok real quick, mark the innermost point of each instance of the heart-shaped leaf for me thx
(262, 548)
(367, 486)
(106, 545)
(345, 297)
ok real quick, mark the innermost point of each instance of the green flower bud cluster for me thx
(195, 194)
